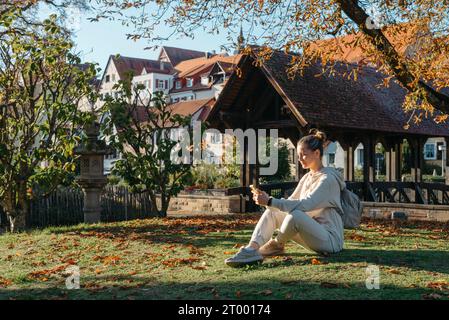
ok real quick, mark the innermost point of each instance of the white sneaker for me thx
(245, 256)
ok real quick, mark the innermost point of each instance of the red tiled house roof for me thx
(136, 66)
(177, 55)
(183, 108)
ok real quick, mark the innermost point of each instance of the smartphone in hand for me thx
(254, 189)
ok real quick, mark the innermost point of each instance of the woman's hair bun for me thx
(318, 134)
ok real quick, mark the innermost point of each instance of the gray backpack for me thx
(352, 209)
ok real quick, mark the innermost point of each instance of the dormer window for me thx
(178, 84)
(204, 81)
(189, 82)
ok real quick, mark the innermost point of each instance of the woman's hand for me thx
(261, 198)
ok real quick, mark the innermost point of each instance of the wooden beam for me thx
(275, 124)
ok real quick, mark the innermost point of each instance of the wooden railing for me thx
(393, 192)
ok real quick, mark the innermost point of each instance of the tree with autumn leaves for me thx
(383, 31)
(42, 86)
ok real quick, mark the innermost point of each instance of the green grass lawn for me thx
(182, 258)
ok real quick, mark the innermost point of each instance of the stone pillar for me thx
(92, 180)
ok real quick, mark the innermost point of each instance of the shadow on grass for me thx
(273, 289)
(417, 260)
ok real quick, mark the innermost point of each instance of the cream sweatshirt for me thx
(318, 195)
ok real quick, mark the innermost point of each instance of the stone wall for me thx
(201, 204)
(221, 204)
(412, 211)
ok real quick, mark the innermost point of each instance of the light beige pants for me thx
(297, 226)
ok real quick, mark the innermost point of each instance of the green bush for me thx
(283, 173)
(213, 176)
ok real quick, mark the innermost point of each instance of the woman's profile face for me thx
(308, 157)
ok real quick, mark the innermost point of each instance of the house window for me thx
(178, 84)
(166, 84)
(108, 78)
(159, 84)
(204, 81)
(331, 158)
(113, 78)
(429, 151)
(189, 82)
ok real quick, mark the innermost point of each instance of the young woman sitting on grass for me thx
(309, 216)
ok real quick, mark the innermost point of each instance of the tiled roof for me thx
(136, 65)
(336, 101)
(193, 66)
(184, 108)
(177, 55)
(190, 107)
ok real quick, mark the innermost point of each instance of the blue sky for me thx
(97, 40)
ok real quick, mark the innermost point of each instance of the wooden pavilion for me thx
(261, 95)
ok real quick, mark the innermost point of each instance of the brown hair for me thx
(315, 140)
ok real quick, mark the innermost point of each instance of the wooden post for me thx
(393, 154)
(417, 150)
(348, 155)
(397, 160)
(388, 161)
(368, 165)
(446, 164)
(368, 159)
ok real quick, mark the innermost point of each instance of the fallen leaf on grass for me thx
(44, 274)
(315, 261)
(238, 294)
(107, 260)
(329, 285)
(394, 271)
(4, 282)
(266, 292)
(199, 267)
(440, 285)
(175, 262)
(228, 252)
(431, 296)
(356, 237)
